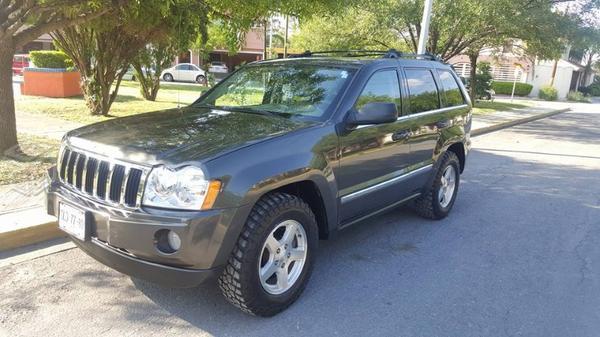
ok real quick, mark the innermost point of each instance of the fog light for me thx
(167, 241)
(174, 240)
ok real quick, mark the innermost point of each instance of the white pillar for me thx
(425, 27)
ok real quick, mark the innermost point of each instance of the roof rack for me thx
(392, 54)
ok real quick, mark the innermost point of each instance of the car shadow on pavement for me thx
(514, 256)
(402, 271)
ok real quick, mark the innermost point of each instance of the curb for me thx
(24, 235)
(500, 126)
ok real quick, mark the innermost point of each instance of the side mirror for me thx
(374, 113)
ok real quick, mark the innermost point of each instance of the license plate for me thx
(72, 221)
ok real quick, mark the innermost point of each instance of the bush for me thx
(505, 88)
(548, 93)
(50, 59)
(483, 79)
(592, 89)
(576, 96)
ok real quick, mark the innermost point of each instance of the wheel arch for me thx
(458, 149)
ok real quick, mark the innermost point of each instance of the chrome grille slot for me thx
(116, 182)
(108, 180)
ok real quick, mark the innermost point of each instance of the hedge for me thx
(50, 59)
(505, 88)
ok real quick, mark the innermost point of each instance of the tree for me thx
(349, 28)
(103, 49)
(24, 21)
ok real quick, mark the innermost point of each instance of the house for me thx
(251, 50)
(44, 42)
(508, 65)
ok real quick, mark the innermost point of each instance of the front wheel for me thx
(201, 79)
(168, 77)
(437, 200)
(273, 258)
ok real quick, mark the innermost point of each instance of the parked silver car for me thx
(218, 67)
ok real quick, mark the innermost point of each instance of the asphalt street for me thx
(519, 256)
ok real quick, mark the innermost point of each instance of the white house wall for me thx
(543, 76)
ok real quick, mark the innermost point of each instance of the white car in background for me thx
(218, 67)
(184, 72)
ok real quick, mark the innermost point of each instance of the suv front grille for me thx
(102, 178)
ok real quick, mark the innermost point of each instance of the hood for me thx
(179, 135)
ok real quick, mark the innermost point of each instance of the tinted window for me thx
(451, 90)
(383, 87)
(422, 90)
(286, 89)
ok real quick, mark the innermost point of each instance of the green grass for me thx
(29, 161)
(128, 102)
(485, 107)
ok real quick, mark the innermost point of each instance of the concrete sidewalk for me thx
(23, 219)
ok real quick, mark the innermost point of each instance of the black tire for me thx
(428, 204)
(201, 79)
(133, 78)
(168, 77)
(240, 282)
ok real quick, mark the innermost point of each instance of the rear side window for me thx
(422, 90)
(452, 92)
(382, 87)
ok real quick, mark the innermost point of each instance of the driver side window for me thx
(382, 87)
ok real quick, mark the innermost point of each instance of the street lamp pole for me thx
(425, 27)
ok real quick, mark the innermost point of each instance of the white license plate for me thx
(72, 221)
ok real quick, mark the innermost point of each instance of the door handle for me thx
(443, 124)
(401, 135)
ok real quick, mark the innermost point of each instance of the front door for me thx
(373, 157)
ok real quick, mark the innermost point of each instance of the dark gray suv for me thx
(243, 183)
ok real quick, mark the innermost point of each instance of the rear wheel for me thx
(168, 77)
(273, 258)
(440, 194)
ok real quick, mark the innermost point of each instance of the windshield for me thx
(283, 89)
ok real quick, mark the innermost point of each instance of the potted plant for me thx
(52, 76)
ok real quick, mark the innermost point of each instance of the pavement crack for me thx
(584, 268)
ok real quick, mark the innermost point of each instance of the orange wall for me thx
(51, 84)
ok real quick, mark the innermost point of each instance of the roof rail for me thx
(392, 53)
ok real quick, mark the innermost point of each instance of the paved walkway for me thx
(45, 126)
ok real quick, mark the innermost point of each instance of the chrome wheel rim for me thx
(447, 186)
(282, 257)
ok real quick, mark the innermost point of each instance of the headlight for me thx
(185, 188)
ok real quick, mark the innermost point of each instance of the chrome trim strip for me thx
(59, 163)
(421, 114)
(124, 184)
(95, 178)
(74, 172)
(111, 167)
(66, 180)
(379, 211)
(84, 173)
(141, 188)
(372, 188)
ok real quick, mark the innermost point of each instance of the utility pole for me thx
(425, 27)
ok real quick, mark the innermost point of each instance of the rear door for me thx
(430, 113)
(373, 157)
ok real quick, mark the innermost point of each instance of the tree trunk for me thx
(8, 125)
(473, 56)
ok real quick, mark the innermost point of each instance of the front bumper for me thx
(125, 239)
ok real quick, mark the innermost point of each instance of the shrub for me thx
(592, 89)
(576, 96)
(483, 79)
(505, 88)
(548, 93)
(50, 59)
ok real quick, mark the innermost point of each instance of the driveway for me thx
(519, 256)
